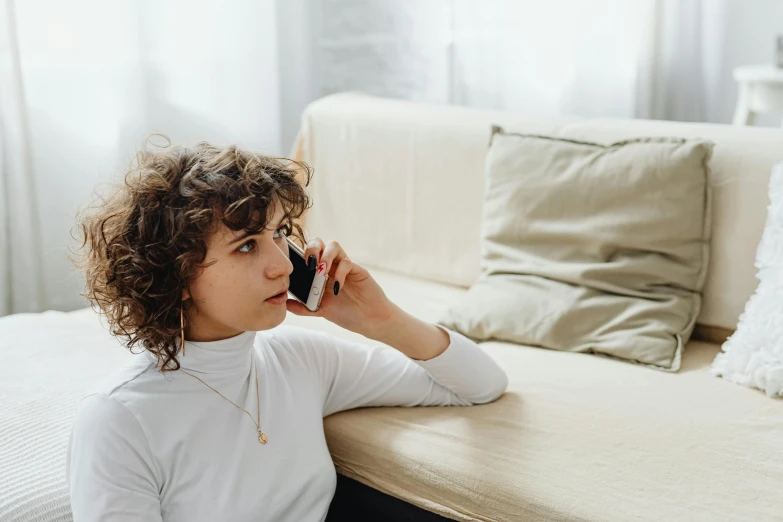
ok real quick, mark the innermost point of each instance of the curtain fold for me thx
(680, 60)
(21, 281)
(82, 83)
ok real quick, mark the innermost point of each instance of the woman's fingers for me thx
(327, 257)
(332, 254)
(313, 252)
(315, 249)
(342, 271)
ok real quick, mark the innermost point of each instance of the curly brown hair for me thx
(147, 241)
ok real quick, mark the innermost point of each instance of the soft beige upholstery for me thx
(577, 437)
(400, 184)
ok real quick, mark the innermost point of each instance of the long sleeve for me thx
(109, 465)
(353, 375)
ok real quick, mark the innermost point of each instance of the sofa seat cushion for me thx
(575, 438)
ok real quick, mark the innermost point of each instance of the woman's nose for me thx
(280, 265)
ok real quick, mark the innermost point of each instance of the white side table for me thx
(760, 90)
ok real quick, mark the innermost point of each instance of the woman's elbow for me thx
(496, 391)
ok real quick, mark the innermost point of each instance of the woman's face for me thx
(229, 295)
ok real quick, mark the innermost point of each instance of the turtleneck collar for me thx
(223, 356)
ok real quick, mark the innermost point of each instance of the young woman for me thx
(219, 417)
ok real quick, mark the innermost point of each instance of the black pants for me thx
(355, 501)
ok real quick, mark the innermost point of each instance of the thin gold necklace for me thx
(261, 436)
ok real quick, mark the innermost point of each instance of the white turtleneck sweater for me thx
(148, 446)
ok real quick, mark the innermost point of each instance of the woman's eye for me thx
(249, 246)
(284, 230)
(242, 248)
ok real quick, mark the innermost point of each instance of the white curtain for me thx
(605, 58)
(680, 60)
(83, 82)
(542, 58)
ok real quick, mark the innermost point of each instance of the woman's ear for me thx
(185, 294)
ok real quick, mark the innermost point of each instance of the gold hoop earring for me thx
(182, 326)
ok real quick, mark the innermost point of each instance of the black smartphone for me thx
(305, 285)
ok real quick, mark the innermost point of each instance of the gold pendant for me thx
(262, 438)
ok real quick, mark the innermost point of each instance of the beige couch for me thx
(576, 437)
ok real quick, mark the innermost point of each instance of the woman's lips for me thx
(280, 298)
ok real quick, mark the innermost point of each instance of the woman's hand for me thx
(360, 305)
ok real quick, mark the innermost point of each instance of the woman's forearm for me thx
(412, 336)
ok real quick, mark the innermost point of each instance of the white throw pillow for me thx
(753, 355)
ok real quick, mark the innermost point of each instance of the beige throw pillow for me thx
(591, 248)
